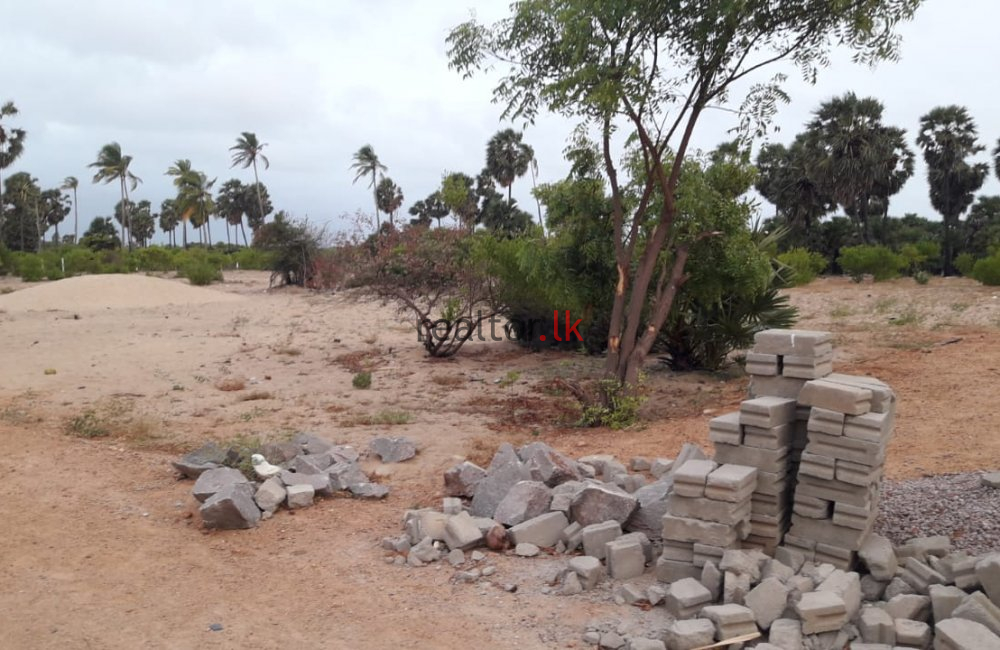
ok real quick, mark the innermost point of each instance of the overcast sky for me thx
(316, 80)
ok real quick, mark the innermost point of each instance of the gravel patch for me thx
(956, 505)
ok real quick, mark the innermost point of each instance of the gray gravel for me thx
(956, 505)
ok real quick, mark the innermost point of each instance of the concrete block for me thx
(625, 558)
(850, 516)
(589, 569)
(731, 483)
(712, 579)
(841, 558)
(944, 600)
(821, 611)
(544, 531)
(660, 467)
(913, 634)
(826, 421)
(299, 496)
(786, 633)
(963, 572)
(690, 634)
(883, 398)
(726, 429)
(767, 601)
(767, 460)
(670, 571)
(767, 412)
(722, 512)
(596, 536)
(833, 491)
(977, 607)
(877, 626)
(735, 587)
(834, 396)
(792, 342)
(807, 367)
(790, 557)
(821, 467)
(812, 507)
(849, 449)
(704, 553)
(596, 504)
(686, 597)
(678, 551)
(858, 474)
(691, 477)
(772, 438)
(525, 500)
(451, 505)
(958, 634)
(461, 532)
(921, 547)
(525, 549)
(847, 585)
(988, 573)
(730, 620)
(788, 387)
(870, 427)
(682, 529)
(920, 576)
(872, 589)
(647, 546)
(912, 606)
(896, 587)
(765, 365)
(771, 484)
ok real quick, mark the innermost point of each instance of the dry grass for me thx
(383, 418)
(449, 380)
(231, 384)
(256, 395)
(360, 361)
(117, 418)
(286, 350)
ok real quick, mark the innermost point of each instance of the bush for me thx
(154, 258)
(30, 267)
(804, 264)
(201, 273)
(293, 247)
(987, 270)
(877, 261)
(362, 380)
(964, 263)
(922, 277)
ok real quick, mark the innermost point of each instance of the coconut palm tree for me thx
(246, 151)
(184, 175)
(195, 202)
(111, 165)
(508, 158)
(71, 183)
(11, 145)
(366, 163)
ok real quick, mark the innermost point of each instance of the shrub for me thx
(804, 264)
(201, 273)
(292, 245)
(6, 261)
(987, 270)
(964, 263)
(80, 259)
(877, 261)
(619, 410)
(362, 380)
(922, 277)
(30, 268)
(154, 258)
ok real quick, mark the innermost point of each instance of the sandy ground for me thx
(102, 547)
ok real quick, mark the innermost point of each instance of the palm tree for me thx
(169, 219)
(388, 197)
(507, 158)
(111, 165)
(366, 163)
(71, 183)
(184, 176)
(246, 151)
(948, 137)
(11, 145)
(195, 202)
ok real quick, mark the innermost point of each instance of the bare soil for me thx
(102, 545)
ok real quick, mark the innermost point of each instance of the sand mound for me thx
(90, 292)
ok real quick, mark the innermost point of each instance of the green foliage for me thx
(30, 268)
(921, 256)
(201, 273)
(964, 264)
(362, 380)
(805, 265)
(987, 270)
(618, 408)
(877, 261)
(88, 425)
(154, 258)
(922, 277)
(292, 246)
(101, 235)
(7, 265)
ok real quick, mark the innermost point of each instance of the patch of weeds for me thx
(362, 360)
(959, 307)
(177, 387)
(386, 418)
(88, 425)
(907, 318)
(362, 380)
(201, 379)
(231, 384)
(115, 417)
(287, 351)
(618, 409)
(255, 395)
(50, 371)
(883, 305)
(253, 413)
(841, 311)
(449, 380)
(239, 450)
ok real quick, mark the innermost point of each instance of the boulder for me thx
(278, 453)
(525, 500)
(504, 472)
(311, 444)
(193, 464)
(548, 465)
(879, 557)
(648, 516)
(345, 474)
(320, 483)
(299, 496)
(231, 507)
(462, 479)
(214, 480)
(596, 504)
(369, 490)
(393, 450)
(270, 494)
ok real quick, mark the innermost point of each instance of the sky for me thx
(317, 80)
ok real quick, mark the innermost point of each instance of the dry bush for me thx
(450, 381)
(231, 384)
(256, 395)
(360, 361)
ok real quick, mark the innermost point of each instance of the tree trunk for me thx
(127, 214)
(260, 201)
(208, 230)
(229, 239)
(378, 224)
(76, 220)
(243, 230)
(184, 234)
(122, 181)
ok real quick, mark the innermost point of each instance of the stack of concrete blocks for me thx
(839, 478)
(708, 512)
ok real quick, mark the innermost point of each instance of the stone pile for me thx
(306, 467)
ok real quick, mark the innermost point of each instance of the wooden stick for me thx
(736, 639)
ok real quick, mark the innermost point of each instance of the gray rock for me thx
(660, 467)
(278, 453)
(547, 465)
(525, 549)
(456, 557)
(393, 450)
(525, 500)
(648, 516)
(767, 601)
(311, 444)
(640, 464)
(462, 532)
(369, 491)
(214, 480)
(786, 633)
(310, 464)
(343, 454)
(544, 530)
(711, 578)
(897, 586)
(690, 634)
(988, 573)
(270, 495)
(505, 472)
(911, 606)
(596, 536)
(631, 594)
(612, 641)
(193, 464)
(958, 634)
(872, 589)
(571, 584)
(646, 644)
(320, 483)
(977, 607)
(231, 507)
(299, 496)
(562, 495)
(944, 601)
(879, 557)
(345, 474)
(590, 570)
(425, 551)
(596, 504)
(991, 480)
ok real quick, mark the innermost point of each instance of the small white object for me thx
(263, 468)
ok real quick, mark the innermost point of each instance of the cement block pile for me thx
(303, 468)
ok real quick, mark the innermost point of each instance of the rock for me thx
(462, 479)
(214, 480)
(206, 457)
(821, 611)
(655, 594)
(311, 444)
(525, 549)
(958, 634)
(369, 490)
(488, 571)
(911, 606)
(231, 507)
(690, 634)
(776, 569)
(544, 530)
(648, 516)
(977, 607)
(299, 496)
(571, 585)
(504, 473)
(991, 480)
(631, 594)
(425, 551)
(735, 587)
(525, 500)
(786, 633)
(596, 504)
(562, 495)
(345, 474)
(461, 532)
(790, 557)
(686, 597)
(944, 601)
(745, 562)
(877, 626)
(320, 483)
(988, 573)
(646, 644)
(456, 557)
(611, 641)
(848, 587)
(496, 538)
(640, 464)
(767, 601)
(912, 634)
(280, 452)
(626, 558)
(478, 556)
(730, 620)
(310, 464)
(878, 556)
(547, 465)
(393, 450)
(897, 586)
(451, 505)
(466, 577)
(872, 589)
(270, 495)
(711, 578)
(589, 569)
(660, 466)
(424, 523)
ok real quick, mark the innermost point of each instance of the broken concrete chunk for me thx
(590, 570)
(525, 500)
(821, 611)
(959, 634)
(767, 601)
(299, 495)
(544, 530)
(685, 598)
(547, 465)
(369, 490)
(462, 479)
(596, 536)
(461, 532)
(626, 558)
(690, 634)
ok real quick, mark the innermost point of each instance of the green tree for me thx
(143, 223)
(229, 205)
(366, 163)
(255, 217)
(184, 178)
(52, 209)
(70, 184)
(388, 198)
(508, 158)
(101, 235)
(169, 220)
(855, 158)
(20, 228)
(948, 138)
(427, 209)
(982, 227)
(246, 151)
(785, 179)
(11, 145)
(459, 195)
(112, 165)
(647, 70)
